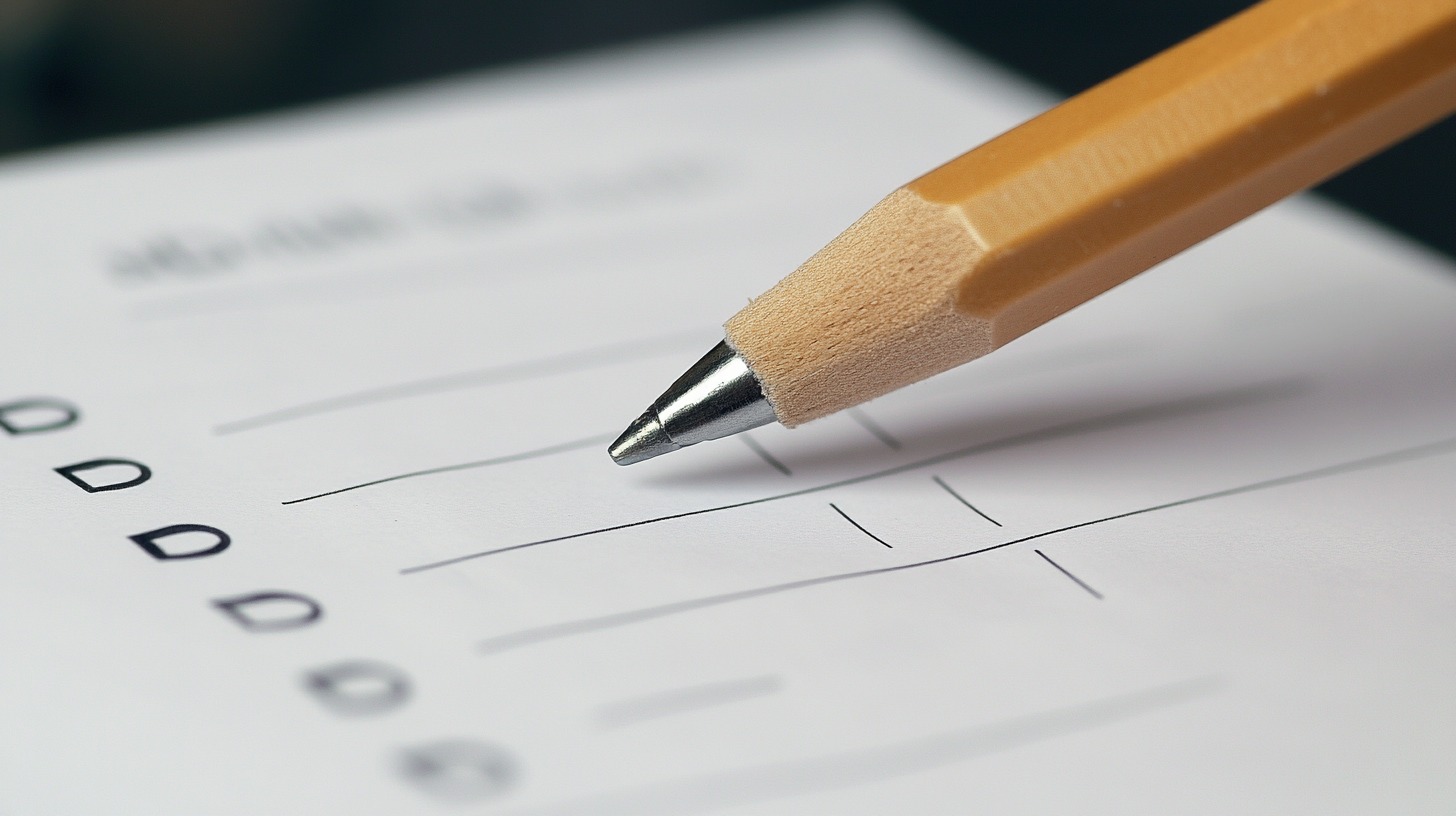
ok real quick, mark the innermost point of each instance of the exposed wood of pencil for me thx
(1096, 190)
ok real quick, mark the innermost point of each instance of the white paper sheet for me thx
(1186, 550)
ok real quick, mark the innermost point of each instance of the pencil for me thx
(993, 244)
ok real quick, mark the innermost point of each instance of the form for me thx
(307, 507)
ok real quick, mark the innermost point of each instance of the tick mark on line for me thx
(876, 429)
(1063, 570)
(763, 453)
(1220, 400)
(857, 525)
(631, 617)
(962, 500)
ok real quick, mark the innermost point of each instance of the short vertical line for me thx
(765, 455)
(1063, 570)
(857, 525)
(876, 429)
(962, 500)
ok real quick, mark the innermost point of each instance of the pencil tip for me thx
(643, 439)
(719, 396)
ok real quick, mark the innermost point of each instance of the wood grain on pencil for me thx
(1082, 198)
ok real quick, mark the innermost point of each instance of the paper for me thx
(359, 548)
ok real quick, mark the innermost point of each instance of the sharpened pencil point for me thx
(642, 440)
(719, 396)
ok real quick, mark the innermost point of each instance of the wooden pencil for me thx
(1062, 208)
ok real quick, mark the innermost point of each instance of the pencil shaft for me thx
(1046, 216)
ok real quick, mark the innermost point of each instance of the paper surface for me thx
(1185, 550)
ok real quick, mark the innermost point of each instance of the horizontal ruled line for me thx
(685, 700)
(541, 634)
(577, 444)
(1208, 402)
(859, 766)
(494, 375)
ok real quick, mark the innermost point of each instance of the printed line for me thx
(499, 460)
(557, 258)
(1063, 570)
(763, 453)
(541, 634)
(340, 286)
(847, 769)
(962, 500)
(494, 375)
(685, 700)
(1147, 413)
(857, 525)
(876, 429)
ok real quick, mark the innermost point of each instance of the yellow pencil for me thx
(1052, 213)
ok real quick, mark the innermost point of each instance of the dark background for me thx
(78, 69)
